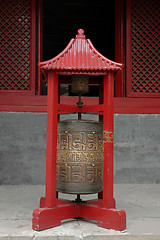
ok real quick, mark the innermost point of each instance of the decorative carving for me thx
(79, 162)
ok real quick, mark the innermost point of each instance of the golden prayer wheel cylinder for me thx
(79, 157)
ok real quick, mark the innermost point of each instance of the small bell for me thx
(80, 84)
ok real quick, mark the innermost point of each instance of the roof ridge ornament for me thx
(80, 34)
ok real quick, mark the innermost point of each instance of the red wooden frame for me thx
(39, 44)
(128, 47)
(32, 67)
(33, 47)
(52, 209)
(39, 104)
(79, 57)
(129, 57)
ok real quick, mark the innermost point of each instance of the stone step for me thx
(140, 201)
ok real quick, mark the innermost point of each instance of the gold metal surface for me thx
(79, 157)
(80, 84)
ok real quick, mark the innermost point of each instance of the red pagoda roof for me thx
(80, 56)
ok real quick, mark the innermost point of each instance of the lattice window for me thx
(15, 45)
(145, 37)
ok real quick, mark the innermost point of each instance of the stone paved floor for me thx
(140, 201)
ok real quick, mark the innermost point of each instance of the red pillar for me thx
(108, 122)
(51, 151)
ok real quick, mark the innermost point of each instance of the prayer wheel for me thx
(79, 156)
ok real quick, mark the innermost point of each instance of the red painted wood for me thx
(23, 103)
(128, 47)
(119, 46)
(39, 44)
(107, 218)
(137, 105)
(44, 218)
(108, 121)
(70, 100)
(18, 47)
(42, 202)
(51, 151)
(80, 55)
(33, 47)
(142, 67)
(81, 109)
(39, 104)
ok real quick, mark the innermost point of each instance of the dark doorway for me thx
(62, 19)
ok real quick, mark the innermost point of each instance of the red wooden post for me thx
(108, 119)
(51, 153)
(39, 45)
(100, 194)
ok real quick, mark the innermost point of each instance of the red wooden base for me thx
(44, 218)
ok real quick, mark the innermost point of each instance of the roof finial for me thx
(80, 34)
